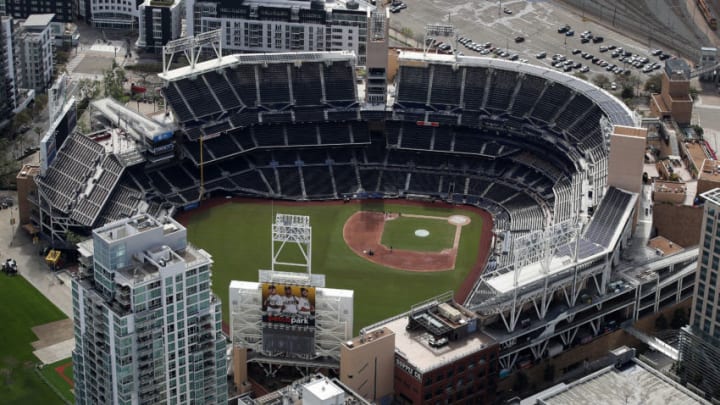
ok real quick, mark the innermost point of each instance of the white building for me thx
(115, 14)
(158, 23)
(37, 49)
(283, 25)
(147, 326)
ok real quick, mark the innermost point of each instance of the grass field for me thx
(400, 234)
(22, 308)
(238, 237)
(59, 382)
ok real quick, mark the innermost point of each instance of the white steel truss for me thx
(192, 48)
(294, 229)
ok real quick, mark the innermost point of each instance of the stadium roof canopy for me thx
(617, 111)
(254, 59)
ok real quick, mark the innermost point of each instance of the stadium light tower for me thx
(433, 31)
(192, 47)
(294, 229)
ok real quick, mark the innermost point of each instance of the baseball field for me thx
(237, 233)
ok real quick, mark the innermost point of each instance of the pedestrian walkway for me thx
(16, 244)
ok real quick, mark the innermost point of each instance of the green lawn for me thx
(400, 234)
(22, 308)
(57, 381)
(238, 237)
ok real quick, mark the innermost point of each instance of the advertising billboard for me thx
(288, 317)
(286, 304)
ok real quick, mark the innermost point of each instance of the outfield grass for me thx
(22, 308)
(238, 237)
(400, 234)
(57, 381)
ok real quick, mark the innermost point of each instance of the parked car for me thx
(541, 55)
(519, 39)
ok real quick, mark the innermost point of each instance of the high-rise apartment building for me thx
(158, 23)
(283, 25)
(113, 14)
(8, 94)
(147, 326)
(700, 341)
(64, 10)
(36, 53)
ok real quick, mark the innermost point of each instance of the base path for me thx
(363, 233)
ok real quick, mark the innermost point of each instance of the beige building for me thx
(674, 99)
(25, 187)
(367, 364)
(627, 150)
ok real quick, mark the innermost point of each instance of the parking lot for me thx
(537, 22)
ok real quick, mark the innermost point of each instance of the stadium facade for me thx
(147, 326)
(530, 145)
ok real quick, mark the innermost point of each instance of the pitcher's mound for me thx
(458, 220)
(422, 233)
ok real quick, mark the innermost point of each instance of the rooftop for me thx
(38, 20)
(135, 225)
(413, 345)
(637, 383)
(677, 69)
(666, 246)
(710, 170)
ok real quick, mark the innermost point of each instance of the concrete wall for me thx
(679, 223)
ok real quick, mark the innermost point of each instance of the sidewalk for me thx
(55, 286)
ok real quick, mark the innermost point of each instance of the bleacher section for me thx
(413, 86)
(606, 223)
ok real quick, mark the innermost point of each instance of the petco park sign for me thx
(408, 368)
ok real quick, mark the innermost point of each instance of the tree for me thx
(661, 322)
(627, 93)
(601, 81)
(699, 131)
(679, 319)
(645, 178)
(40, 103)
(114, 83)
(654, 83)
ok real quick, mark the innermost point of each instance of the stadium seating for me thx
(306, 84)
(446, 85)
(339, 84)
(502, 84)
(345, 179)
(554, 95)
(289, 178)
(176, 102)
(316, 181)
(222, 89)
(530, 89)
(274, 84)
(242, 77)
(474, 92)
(198, 96)
(413, 86)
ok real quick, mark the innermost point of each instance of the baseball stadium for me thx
(421, 172)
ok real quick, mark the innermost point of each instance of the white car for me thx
(613, 86)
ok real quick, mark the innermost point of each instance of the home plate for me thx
(422, 233)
